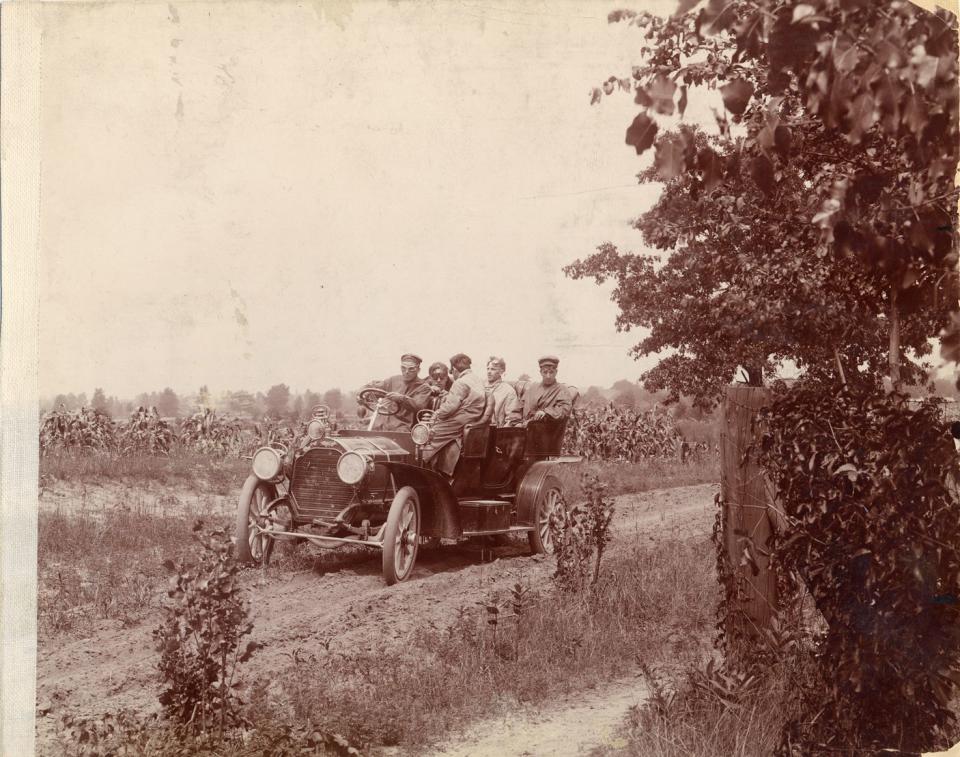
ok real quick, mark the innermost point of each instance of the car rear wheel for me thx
(401, 537)
(252, 545)
(549, 500)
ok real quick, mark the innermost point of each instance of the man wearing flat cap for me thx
(547, 398)
(408, 390)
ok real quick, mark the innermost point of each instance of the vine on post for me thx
(868, 486)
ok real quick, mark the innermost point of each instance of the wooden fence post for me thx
(746, 494)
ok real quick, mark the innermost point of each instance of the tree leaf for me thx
(712, 167)
(715, 17)
(641, 133)
(669, 158)
(862, 116)
(736, 95)
(661, 91)
(782, 139)
(761, 170)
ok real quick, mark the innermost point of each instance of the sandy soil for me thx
(349, 607)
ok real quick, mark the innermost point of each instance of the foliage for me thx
(207, 432)
(127, 733)
(614, 432)
(146, 432)
(272, 431)
(830, 184)
(580, 536)
(869, 489)
(200, 637)
(83, 430)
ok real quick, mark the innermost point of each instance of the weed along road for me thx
(330, 611)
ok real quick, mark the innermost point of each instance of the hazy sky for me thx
(241, 194)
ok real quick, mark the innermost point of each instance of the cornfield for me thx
(84, 430)
(145, 433)
(208, 433)
(616, 433)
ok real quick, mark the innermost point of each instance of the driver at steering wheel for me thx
(410, 393)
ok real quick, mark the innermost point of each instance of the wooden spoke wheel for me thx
(253, 546)
(401, 537)
(549, 501)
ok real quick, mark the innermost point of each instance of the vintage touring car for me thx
(372, 489)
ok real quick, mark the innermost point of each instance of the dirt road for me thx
(345, 605)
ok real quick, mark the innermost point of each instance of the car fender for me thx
(530, 485)
(438, 506)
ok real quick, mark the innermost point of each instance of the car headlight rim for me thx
(352, 467)
(316, 430)
(267, 463)
(420, 434)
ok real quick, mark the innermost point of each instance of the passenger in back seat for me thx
(503, 397)
(465, 404)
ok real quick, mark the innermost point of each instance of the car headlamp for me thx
(420, 434)
(266, 463)
(316, 430)
(352, 467)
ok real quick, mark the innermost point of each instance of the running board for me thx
(511, 530)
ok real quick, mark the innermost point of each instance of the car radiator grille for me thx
(317, 488)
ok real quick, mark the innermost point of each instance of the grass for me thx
(183, 469)
(654, 606)
(696, 718)
(106, 563)
(624, 478)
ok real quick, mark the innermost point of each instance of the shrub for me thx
(200, 637)
(581, 534)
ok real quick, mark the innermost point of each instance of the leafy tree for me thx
(297, 410)
(168, 403)
(99, 400)
(310, 399)
(240, 403)
(277, 400)
(333, 398)
(625, 393)
(831, 182)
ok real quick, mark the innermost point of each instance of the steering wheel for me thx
(375, 400)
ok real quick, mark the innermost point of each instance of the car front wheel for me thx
(401, 537)
(252, 545)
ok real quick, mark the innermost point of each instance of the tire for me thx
(401, 536)
(549, 498)
(253, 548)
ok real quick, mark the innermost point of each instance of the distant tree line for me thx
(278, 402)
